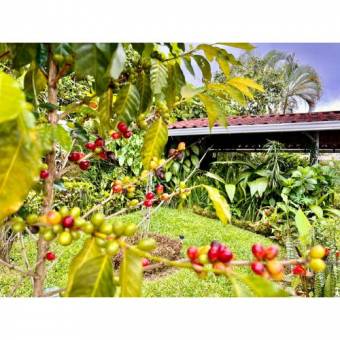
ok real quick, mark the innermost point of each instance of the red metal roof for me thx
(266, 119)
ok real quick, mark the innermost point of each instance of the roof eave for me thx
(257, 128)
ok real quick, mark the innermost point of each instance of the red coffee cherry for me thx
(68, 221)
(103, 155)
(159, 189)
(84, 165)
(145, 262)
(117, 188)
(90, 146)
(258, 251)
(148, 203)
(213, 254)
(50, 256)
(299, 270)
(224, 254)
(75, 156)
(127, 134)
(149, 195)
(258, 268)
(44, 174)
(192, 253)
(271, 252)
(99, 142)
(122, 127)
(116, 135)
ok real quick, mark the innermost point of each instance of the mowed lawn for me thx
(197, 230)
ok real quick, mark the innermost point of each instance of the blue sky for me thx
(323, 57)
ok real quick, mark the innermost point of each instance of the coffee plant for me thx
(125, 89)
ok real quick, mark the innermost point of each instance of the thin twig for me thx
(99, 205)
(24, 254)
(197, 165)
(15, 268)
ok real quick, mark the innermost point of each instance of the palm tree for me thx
(302, 83)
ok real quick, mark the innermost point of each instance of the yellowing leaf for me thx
(304, 228)
(155, 139)
(220, 204)
(242, 46)
(131, 274)
(158, 76)
(212, 107)
(209, 51)
(204, 66)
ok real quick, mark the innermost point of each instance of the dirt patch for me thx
(166, 247)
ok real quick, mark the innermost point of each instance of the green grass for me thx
(197, 230)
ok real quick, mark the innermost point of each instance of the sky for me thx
(323, 57)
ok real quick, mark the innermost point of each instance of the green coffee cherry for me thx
(79, 222)
(32, 218)
(18, 227)
(88, 228)
(101, 242)
(65, 238)
(49, 235)
(57, 228)
(112, 248)
(75, 212)
(64, 211)
(97, 219)
(75, 234)
(118, 228)
(130, 229)
(147, 244)
(106, 228)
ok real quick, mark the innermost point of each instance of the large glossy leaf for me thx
(90, 250)
(126, 106)
(317, 210)
(176, 81)
(131, 274)
(259, 186)
(94, 278)
(49, 134)
(158, 76)
(63, 138)
(224, 65)
(12, 99)
(242, 46)
(304, 228)
(230, 190)
(213, 109)
(204, 66)
(155, 140)
(228, 91)
(209, 51)
(188, 65)
(261, 287)
(220, 204)
(105, 111)
(117, 62)
(189, 91)
(20, 149)
(144, 89)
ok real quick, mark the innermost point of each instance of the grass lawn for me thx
(197, 230)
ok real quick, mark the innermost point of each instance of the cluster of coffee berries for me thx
(316, 256)
(44, 172)
(177, 154)
(78, 157)
(217, 255)
(123, 131)
(127, 186)
(265, 263)
(184, 192)
(98, 147)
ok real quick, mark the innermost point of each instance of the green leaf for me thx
(304, 228)
(127, 103)
(189, 91)
(175, 82)
(117, 62)
(12, 99)
(230, 190)
(258, 186)
(94, 278)
(143, 86)
(131, 274)
(90, 250)
(158, 76)
(317, 210)
(204, 66)
(188, 65)
(209, 51)
(224, 65)
(220, 204)
(261, 287)
(20, 149)
(213, 108)
(242, 46)
(239, 289)
(105, 111)
(332, 211)
(215, 177)
(230, 91)
(63, 138)
(155, 140)
(34, 82)
(23, 54)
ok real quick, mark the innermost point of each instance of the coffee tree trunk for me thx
(42, 245)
